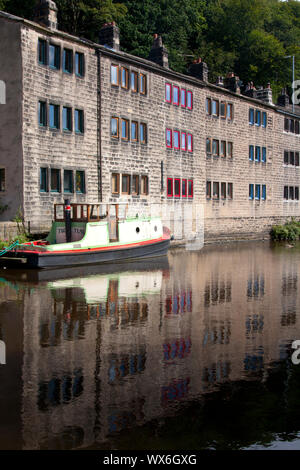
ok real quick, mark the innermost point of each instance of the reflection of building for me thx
(98, 361)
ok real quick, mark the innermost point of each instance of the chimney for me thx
(158, 53)
(283, 99)
(199, 70)
(220, 81)
(109, 36)
(46, 13)
(232, 83)
(265, 94)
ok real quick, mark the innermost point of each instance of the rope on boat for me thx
(11, 247)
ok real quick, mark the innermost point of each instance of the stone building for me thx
(88, 122)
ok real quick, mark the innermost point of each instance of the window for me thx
(286, 157)
(216, 193)
(215, 108)
(291, 192)
(134, 81)
(296, 158)
(68, 181)
(176, 95)
(251, 116)
(264, 154)
(54, 56)
(251, 152)
(208, 106)
(183, 97)
(292, 125)
(229, 149)
(115, 183)
(176, 137)
(183, 140)
(264, 119)
(80, 182)
(223, 190)
(114, 75)
(257, 117)
(190, 142)
(114, 127)
(208, 145)
(263, 192)
(189, 100)
(143, 133)
(125, 184)
(124, 129)
(168, 93)
(68, 61)
(251, 191)
(170, 187)
(230, 190)
(67, 119)
(257, 191)
(55, 180)
(79, 121)
(190, 188)
(177, 187)
(223, 109)
(184, 188)
(42, 111)
(286, 124)
(2, 179)
(292, 158)
(257, 154)
(208, 189)
(134, 131)
(286, 192)
(144, 185)
(215, 147)
(169, 138)
(42, 52)
(143, 84)
(124, 78)
(297, 127)
(135, 185)
(229, 111)
(223, 148)
(54, 116)
(297, 193)
(79, 64)
(43, 180)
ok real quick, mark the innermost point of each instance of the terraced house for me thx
(88, 122)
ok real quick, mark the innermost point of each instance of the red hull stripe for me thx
(92, 250)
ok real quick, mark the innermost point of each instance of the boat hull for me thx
(30, 259)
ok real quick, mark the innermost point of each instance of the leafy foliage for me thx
(290, 231)
(249, 37)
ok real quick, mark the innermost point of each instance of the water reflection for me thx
(105, 350)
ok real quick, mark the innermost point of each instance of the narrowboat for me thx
(84, 234)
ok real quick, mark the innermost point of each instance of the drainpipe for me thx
(99, 143)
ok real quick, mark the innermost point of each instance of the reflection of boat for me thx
(32, 277)
(84, 234)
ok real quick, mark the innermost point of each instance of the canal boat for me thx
(92, 233)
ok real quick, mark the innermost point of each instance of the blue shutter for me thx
(264, 154)
(251, 188)
(264, 193)
(251, 152)
(264, 119)
(257, 191)
(251, 116)
(258, 118)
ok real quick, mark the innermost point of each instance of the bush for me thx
(290, 231)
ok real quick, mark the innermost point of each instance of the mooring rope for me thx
(16, 243)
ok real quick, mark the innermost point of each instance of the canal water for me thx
(190, 351)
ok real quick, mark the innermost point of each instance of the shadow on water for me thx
(190, 351)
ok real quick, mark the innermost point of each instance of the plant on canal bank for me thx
(290, 231)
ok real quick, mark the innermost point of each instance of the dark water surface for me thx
(192, 351)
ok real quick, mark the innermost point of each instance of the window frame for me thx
(69, 118)
(144, 183)
(57, 56)
(177, 133)
(80, 128)
(70, 172)
(251, 191)
(217, 196)
(127, 177)
(143, 80)
(115, 176)
(126, 137)
(170, 132)
(168, 86)
(178, 181)
(68, 53)
(224, 104)
(208, 189)
(229, 115)
(79, 64)
(135, 74)
(44, 43)
(114, 67)
(135, 190)
(170, 180)
(114, 118)
(184, 185)
(208, 106)
(126, 71)
(58, 173)
(251, 116)
(82, 190)
(183, 93)
(44, 177)
(190, 145)
(176, 103)
(134, 124)
(56, 116)
(144, 127)
(223, 154)
(217, 113)
(42, 113)
(190, 193)
(183, 147)
(189, 93)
